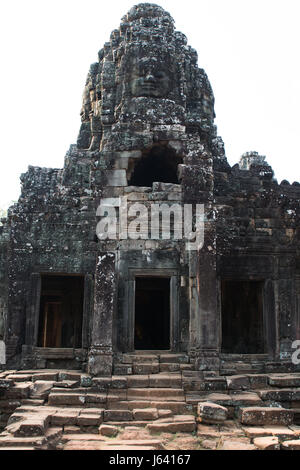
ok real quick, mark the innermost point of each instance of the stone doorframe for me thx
(129, 320)
(270, 330)
(33, 307)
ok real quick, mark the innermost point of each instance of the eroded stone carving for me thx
(150, 79)
(147, 72)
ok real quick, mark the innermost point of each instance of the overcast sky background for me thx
(249, 49)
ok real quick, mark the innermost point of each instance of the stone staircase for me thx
(149, 363)
(56, 409)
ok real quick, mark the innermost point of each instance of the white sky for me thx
(249, 49)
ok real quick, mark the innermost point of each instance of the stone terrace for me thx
(71, 410)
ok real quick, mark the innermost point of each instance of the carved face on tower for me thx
(146, 73)
(150, 78)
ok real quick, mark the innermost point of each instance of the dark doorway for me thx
(152, 313)
(61, 309)
(242, 317)
(159, 165)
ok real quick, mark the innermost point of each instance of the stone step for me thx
(199, 384)
(145, 368)
(232, 401)
(89, 419)
(124, 424)
(280, 395)
(34, 424)
(40, 389)
(19, 390)
(161, 380)
(20, 377)
(11, 441)
(140, 358)
(117, 415)
(184, 423)
(65, 417)
(24, 409)
(10, 448)
(97, 442)
(282, 432)
(77, 390)
(123, 369)
(291, 445)
(68, 399)
(165, 381)
(170, 367)
(33, 401)
(174, 358)
(67, 384)
(175, 407)
(77, 399)
(145, 414)
(285, 381)
(45, 376)
(169, 394)
(116, 382)
(71, 375)
(263, 416)
(155, 444)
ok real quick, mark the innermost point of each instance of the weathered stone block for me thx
(145, 414)
(211, 413)
(66, 399)
(258, 416)
(118, 415)
(145, 369)
(293, 444)
(107, 430)
(284, 381)
(238, 382)
(45, 376)
(186, 424)
(41, 389)
(118, 382)
(89, 419)
(34, 425)
(101, 383)
(267, 443)
(64, 417)
(258, 381)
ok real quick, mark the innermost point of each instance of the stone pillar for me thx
(286, 317)
(101, 350)
(198, 186)
(204, 316)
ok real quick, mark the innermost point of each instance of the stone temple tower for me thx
(92, 277)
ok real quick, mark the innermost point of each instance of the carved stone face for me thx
(150, 80)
